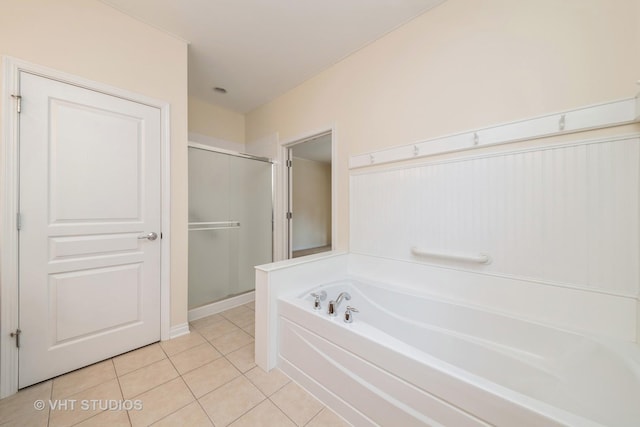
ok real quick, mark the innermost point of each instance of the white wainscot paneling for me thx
(563, 215)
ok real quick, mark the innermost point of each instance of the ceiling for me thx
(259, 49)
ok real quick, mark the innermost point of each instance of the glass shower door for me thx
(253, 208)
(230, 227)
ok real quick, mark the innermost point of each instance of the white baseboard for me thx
(217, 307)
(179, 330)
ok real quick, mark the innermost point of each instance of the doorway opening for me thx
(309, 213)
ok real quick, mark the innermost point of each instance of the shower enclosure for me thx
(230, 223)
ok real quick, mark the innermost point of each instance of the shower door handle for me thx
(151, 236)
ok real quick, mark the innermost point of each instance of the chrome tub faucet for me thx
(333, 304)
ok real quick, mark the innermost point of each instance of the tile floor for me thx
(205, 378)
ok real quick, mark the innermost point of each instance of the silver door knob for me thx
(151, 236)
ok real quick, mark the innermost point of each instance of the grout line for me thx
(50, 399)
(281, 410)
(316, 415)
(141, 367)
(120, 386)
(248, 410)
(203, 410)
(179, 409)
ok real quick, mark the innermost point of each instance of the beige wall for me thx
(463, 65)
(215, 122)
(311, 204)
(91, 40)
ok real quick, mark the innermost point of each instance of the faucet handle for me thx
(348, 315)
(320, 296)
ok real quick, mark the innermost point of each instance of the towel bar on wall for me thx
(451, 256)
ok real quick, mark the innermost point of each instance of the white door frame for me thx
(281, 229)
(9, 192)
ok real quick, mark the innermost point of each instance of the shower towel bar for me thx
(219, 225)
(479, 258)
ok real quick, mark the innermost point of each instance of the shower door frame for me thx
(230, 302)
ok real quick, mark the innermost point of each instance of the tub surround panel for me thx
(279, 278)
(561, 215)
(560, 224)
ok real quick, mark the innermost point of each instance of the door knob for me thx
(151, 236)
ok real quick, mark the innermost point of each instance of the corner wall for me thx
(94, 41)
(216, 126)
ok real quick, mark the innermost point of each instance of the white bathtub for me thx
(411, 360)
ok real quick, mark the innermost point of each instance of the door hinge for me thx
(289, 215)
(19, 221)
(17, 335)
(289, 163)
(18, 99)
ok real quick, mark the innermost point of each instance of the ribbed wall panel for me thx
(565, 215)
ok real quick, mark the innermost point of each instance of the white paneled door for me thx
(90, 201)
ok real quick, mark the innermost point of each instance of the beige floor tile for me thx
(227, 343)
(299, 405)
(30, 421)
(206, 321)
(251, 305)
(210, 376)
(182, 343)
(240, 316)
(19, 409)
(195, 357)
(251, 329)
(247, 319)
(327, 418)
(85, 404)
(82, 379)
(267, 382)
(265, 414)
(146, 378)
(232, 400)
(107, 418)
(160, 402)
(235, 312)
(139, 358)
(191, 415)
(217, 329)
(243, 358)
